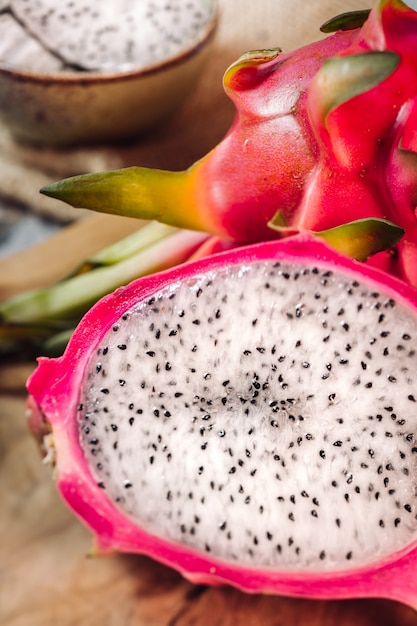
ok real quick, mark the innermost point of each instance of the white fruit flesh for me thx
(263, 414)
(114, 34)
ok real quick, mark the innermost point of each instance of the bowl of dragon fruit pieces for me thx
(81, 72)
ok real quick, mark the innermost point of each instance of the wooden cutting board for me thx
(46, 577)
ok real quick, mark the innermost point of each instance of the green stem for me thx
(140, 192)
(67, 300)
(139, 241)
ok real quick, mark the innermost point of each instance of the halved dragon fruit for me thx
(249, 419)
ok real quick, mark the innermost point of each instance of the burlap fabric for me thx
(192, 131)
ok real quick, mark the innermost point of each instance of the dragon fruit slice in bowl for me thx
(247, 419)
(85, 73)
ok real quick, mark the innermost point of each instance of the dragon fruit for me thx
(248, 419)
(322, 136)
(127, 33)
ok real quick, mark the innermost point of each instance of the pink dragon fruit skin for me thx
(323, 136)
(350, 163)
(53, 404)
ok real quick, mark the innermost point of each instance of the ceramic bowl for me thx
(72, 108)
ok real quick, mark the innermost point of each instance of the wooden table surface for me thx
(46, 577)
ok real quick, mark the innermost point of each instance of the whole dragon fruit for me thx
(247, 418)
(322, 136)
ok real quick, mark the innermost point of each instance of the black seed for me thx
(122, 346)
